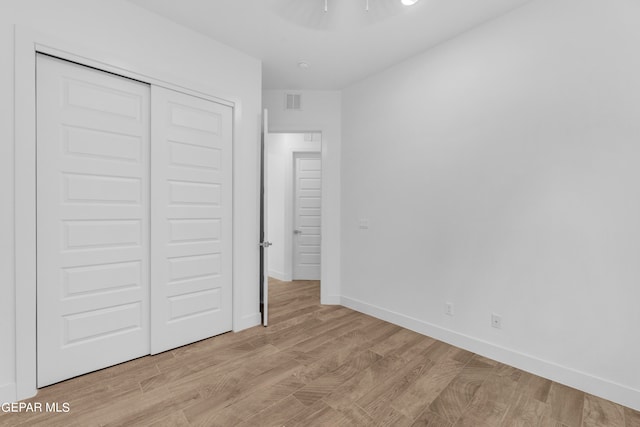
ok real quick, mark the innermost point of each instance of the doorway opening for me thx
(292, 210)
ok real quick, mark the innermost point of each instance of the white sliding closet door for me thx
(92, 219)
(121, 275)
(191, 211)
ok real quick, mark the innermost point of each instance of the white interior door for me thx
(92, 219)
(191, 213)
(264, 226)
(307, 200)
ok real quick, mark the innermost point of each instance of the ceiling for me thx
(341, 46)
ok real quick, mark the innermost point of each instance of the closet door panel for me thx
(92, 219)
(191, 212)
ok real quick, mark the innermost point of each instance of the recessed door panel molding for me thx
(81, 188)
(307, 219)
(195, 304)
(194, 156)
(189, 267)
(103, 99)
(102, 323)
(101, 145)
(92, 219)
(194, 230)
(96, 279)
(100, 234)
(191, 118)
(190, 219)
(194, 193)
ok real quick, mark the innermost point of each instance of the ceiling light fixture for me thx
(304, 65)
(366, 4)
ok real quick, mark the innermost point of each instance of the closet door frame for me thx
(27, 44)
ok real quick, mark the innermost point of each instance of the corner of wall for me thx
(7, 255)
(331, 300)
(8, 393)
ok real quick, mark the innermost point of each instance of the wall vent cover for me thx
(293, 101)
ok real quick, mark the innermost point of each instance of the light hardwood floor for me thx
(319, 366)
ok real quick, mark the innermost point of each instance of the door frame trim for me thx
(27, 43)
(287, 272)
(330, 236)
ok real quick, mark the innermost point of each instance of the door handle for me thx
(265, 244)
(297, 231)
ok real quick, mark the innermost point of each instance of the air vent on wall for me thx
(293, 101)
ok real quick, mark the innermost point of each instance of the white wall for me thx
(129, 37)
(321, 111)
(499, 171)
(7, 291)
(280, 150)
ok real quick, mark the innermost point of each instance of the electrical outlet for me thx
(448, 309)
(496, 321)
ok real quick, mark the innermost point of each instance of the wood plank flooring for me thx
(319, 366)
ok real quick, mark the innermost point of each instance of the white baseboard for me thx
(248, 321)
(7, 393)
(600, 387)
(279, 275)
(331, 300)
